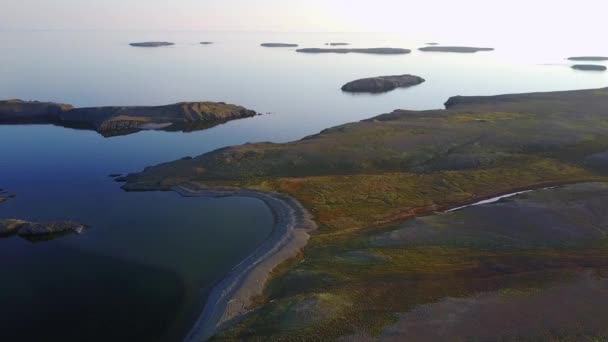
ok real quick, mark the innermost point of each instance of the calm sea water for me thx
(142, 269)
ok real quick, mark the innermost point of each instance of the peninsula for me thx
(378, 190)
(113, 121)
(382, 84)
(377, 51)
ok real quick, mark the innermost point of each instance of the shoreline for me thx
(231, 296)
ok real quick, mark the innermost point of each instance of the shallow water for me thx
(143, 266)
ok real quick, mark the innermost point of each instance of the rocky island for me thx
(454, 49)
(589, 67)
(377, 51)
(589, 58)
(380, 189)
(382, 84)
(278, 45)
(151, 44)
(113, 121)
(39, 231)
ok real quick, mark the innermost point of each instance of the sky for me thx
(480, 19)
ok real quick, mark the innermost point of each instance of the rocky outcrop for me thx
(274, 45)
(34, 230)
(151, 44)
(455, 49)
(17, 111)
(382, 84)
(377, 51)
(112, 121)
(589, 58)
(589, 67)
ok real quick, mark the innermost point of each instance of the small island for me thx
(278, 45)
(382, 84)
(39, 231)
(454, 49)
(589, 58)
(206, 43)
(114, 121)
(337, 44)
(432, 44)
(589, 67)
(376, 51)
(152, 44)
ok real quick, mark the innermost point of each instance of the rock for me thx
(32, 229)
(589, 58)
(589, 67)
(456, 49)
(378, 51)
(337, 44)
(275, 45)
(206, 43)
(112, 121)
(382, 84)
(151, 44)
(18, 111)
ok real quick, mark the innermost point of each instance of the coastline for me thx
(231, 297)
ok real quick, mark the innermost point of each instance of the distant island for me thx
(113, 121)
(589, 67)
(455, 49)
(278, 45)
(337, 44)
(380, 191)
(589, 58)
(206, 43)
(39, 231)
(382, 84)
(151, 44)
(378, 51)
(432, 44)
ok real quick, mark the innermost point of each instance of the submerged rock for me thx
(382, 83)
(589, 58)
(377, 51)
(589, 67)
(278, 45)
(455, 49)
(151, 44)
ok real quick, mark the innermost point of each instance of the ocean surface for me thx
(143, 268)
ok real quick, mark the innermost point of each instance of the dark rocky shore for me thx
(152, 44)
(589, 67)
(382, 84)
(113, 121)
(378, 51)
(455, 49)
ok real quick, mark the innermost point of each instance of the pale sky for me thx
(482, 19)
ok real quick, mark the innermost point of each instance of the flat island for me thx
(278, 45)
(152, 44)
(377, 51)
(113, 121)
(454, 49)
(589, 67)
(379, 190)
(589, 58)
(382, 84)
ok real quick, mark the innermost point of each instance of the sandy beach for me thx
(231, 297)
